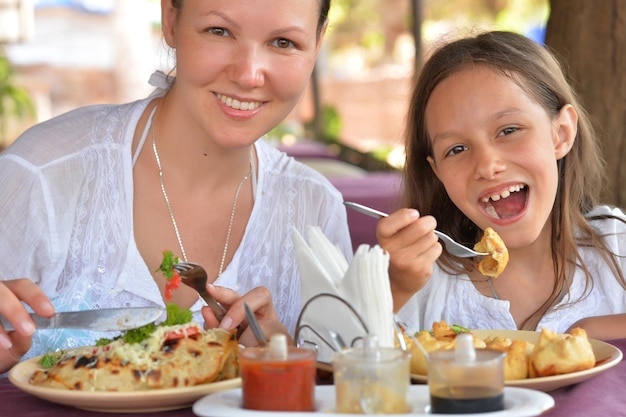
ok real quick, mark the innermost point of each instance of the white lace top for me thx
(66, 203)
(456, 300)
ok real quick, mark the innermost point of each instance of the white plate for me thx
(116, 402)
(518, 402)
(607, 356)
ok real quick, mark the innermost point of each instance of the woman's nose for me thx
(249, 68)
(487, 163)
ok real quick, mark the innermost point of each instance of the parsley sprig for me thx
(174, 316)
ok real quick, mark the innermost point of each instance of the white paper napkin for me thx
(363, 283)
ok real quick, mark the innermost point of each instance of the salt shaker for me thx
(466, 380)
(371, 379)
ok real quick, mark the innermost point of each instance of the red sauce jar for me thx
(278, 382)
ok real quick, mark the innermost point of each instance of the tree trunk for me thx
(590, 36)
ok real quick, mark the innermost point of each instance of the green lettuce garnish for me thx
(174, 316)
(49, 359)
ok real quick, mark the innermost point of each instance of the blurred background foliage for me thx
(375, 38)
(15, 100)
(370, 45)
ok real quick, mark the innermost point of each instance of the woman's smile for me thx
(237, 104)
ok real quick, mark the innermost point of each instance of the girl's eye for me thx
(283, 43)
(217, 31)
(456, 149)
(507, 131)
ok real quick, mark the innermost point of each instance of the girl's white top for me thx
(456, 300)
(66, 215)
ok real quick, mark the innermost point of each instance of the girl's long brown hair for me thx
(581, 171)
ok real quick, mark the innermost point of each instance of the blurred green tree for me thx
(15, 101)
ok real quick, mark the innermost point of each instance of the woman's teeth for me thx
(238, 105)
(504, 194)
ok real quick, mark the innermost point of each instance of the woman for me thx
(94, 196)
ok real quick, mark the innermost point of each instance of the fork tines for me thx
(183, 266)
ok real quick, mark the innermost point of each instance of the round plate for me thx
(518, 402)
(118, 402)
(606, 355)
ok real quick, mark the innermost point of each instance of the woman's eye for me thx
(217, 31)
(457, 149)
(284, 43)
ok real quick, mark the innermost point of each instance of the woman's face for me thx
(241, 66)
(495, 150)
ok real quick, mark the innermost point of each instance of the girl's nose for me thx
(487, 164)
(249, 68)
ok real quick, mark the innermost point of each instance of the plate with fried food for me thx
(542, 360)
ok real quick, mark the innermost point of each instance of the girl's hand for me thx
(260, 302)
(608, 327)
(15, 343)
(413, 248)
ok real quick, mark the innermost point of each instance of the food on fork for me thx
(492, 243)
(169, 355)
(167, 269)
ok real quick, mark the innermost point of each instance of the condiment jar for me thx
(465, 380)
(278, 377)
(371, 379)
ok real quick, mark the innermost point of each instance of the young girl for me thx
(90, 199)
(497, 138)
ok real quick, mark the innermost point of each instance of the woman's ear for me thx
(566, 130)
(320, 38)
(168, 18)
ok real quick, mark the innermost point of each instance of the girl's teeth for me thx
(492, 212)
(504, 194)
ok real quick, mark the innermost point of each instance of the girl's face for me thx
(241, 66)
(495, 150)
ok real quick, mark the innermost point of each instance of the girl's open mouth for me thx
(506, 204)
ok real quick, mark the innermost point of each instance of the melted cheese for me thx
(139, 354)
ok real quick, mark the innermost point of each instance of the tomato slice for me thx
(181, 333)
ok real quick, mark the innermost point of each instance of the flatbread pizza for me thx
(172, 356)
(175, 353)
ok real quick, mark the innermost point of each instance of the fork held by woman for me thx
(195, 276)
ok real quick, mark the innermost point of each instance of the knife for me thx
(103, 320)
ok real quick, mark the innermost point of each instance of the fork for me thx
(452, 246)
(255, 326)
(194, 276)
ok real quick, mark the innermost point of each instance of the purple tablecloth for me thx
(601, 396)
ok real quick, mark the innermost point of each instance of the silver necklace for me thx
(493, 290)
(169, 206)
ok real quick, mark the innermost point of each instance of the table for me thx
(601, 396)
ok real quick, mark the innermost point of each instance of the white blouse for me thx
(66, 216)
(456, 300)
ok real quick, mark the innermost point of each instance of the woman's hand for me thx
(260, 302)
(413, 248)
(15, 343)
